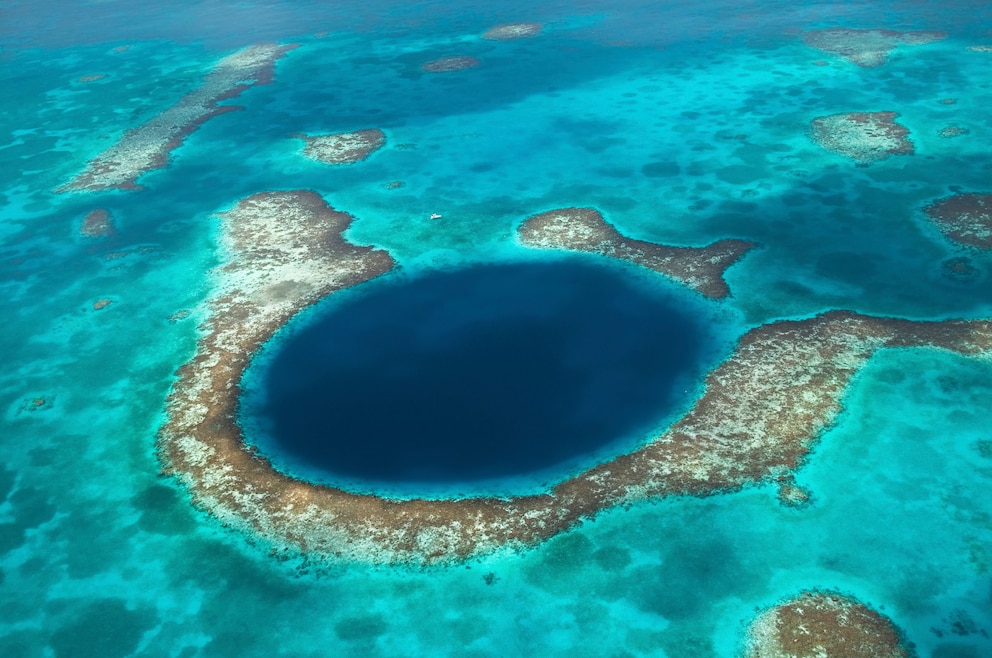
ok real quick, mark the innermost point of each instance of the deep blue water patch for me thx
(494, 373)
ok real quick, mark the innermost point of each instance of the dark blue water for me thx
(490, 372)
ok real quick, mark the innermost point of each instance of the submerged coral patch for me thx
(449, 64)
(819, 624)
(342, 148)
(866, 48)
(964, 218)
(948, 132)
(960, 269)
(762, 411)
(97, 223)
(509, 31)
(35, 403)
(865, 137)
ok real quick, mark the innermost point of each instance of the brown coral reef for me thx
(97, 223)
(761, 412)
(585, 229)
(964, 218)
(960, 269)
(342, 148)
(824, 625)
(866, 48)
(147, 147)
(865, 137)
(949, 132)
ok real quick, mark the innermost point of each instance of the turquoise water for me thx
(682, 124)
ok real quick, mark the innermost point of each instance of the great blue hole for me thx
(490, 374)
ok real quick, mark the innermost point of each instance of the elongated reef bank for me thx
(147, 147)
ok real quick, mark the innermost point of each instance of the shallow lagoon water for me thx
(101, 556)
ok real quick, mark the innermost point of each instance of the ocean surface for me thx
(683, 123)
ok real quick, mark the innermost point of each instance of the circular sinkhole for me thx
(488, 380)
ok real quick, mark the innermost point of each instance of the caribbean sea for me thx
(683, 123)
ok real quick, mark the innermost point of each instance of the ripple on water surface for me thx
(489, 379)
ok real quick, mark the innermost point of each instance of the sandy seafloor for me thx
(682, 123)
